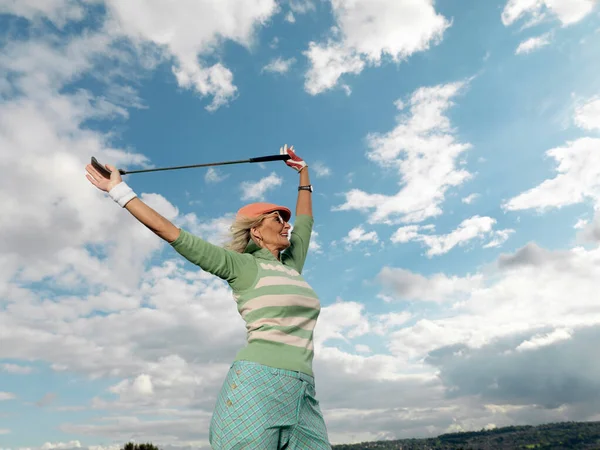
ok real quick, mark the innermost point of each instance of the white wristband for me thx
(122, 194)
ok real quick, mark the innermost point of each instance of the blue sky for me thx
(454, 154)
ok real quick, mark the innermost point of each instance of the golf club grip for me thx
(103, 170)
(260, 159)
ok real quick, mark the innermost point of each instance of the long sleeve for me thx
(295, 255)
(238, 269)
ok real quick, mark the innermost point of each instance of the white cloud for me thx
(329, 62)
(567, 11)
(214, 176)
(589, 232)
(578, 175)
(524, 280)
(16, 369)
(215, 81)
(315, 245)
(193, 29)
(340, 320)
(39, 119)
(61, 445)
(532, 44)
(358, 234)
(279, 65)
(58, 11)
(289, 17)
(406, 234)
(424, 150)
(302, 6)
(139, 387)
(257, 190)
(7, 396)
(578, 178)
(470, 198)
(475, 227)
(214, 230)
(403, 284)
(384, 323)
(361, 348)
(122, 342)
(170, 432)
(38, 65)
(587, 115)
(368, 31)
(161, 205)
(347, 320)
(499, 237)
(75, 444)
(321, 170)
(544, 339)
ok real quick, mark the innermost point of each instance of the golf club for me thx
(106, 173)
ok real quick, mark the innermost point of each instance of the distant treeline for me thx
(552, 436)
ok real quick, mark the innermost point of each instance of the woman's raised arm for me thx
(124, 195)
(304, 202)
(237, 269)
(153, 220)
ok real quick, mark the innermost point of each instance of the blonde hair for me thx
(239, 231)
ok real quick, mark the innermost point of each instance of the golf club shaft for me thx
(258, 159)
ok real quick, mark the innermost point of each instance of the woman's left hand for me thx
(295, 162)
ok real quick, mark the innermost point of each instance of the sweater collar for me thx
(258, 252)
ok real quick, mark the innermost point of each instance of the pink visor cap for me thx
(256, 209)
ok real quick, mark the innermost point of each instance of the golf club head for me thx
(103, 170)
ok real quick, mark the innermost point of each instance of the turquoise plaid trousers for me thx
(261, 407)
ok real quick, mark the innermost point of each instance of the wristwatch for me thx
(306, 188)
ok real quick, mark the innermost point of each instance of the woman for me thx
(268, 398)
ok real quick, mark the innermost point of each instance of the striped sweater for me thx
(279, 307)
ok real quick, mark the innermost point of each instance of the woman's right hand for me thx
(101, 182)
(295, 162)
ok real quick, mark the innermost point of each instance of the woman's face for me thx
(273, 233)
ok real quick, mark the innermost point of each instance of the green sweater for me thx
(279, 307)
